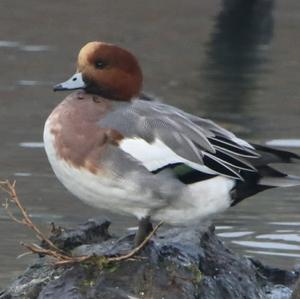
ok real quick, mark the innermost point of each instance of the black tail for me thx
(273, 155)
(266, 177)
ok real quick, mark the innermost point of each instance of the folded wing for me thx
(160, 136)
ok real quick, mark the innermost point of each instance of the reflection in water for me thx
(236, 54)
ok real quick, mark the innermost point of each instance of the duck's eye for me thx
(100, 64)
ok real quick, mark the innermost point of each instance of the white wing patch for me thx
(156, 155)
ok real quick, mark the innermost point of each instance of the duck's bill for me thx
(75, 82)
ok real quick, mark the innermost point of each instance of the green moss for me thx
(87, 283)
(112, 267)
(94, 267)
(197, 274)
(100, 263)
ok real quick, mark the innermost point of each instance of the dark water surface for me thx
(236, 62)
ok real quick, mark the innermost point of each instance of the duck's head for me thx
(106, 70)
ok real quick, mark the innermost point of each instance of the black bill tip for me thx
(58, 87)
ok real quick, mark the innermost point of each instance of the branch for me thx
(138, 248)
(10, 188)
(60, 257)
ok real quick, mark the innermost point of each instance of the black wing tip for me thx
(283, 155)
(234, 148)
(234, 161)
(221, 168)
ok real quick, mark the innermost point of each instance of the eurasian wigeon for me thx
(116, 150)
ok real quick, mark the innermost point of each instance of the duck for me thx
(118, 150)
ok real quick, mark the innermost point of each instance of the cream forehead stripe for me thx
(86, 51)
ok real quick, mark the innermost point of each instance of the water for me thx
(236, 62)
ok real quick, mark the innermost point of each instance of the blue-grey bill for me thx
(75, 82)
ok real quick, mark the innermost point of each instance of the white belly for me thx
(101, 192)
(201, 201)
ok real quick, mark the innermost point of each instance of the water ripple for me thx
(286, 223)
(8, 44)
(284, 142)
(31, 144)
(273, 253)
(223, 227)
(267, 245)
(24, 47)
(33, 83)
(284, 237)
(23, 174)
(234, 234)
(35, 48)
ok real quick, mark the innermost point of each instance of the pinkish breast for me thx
(78, 139)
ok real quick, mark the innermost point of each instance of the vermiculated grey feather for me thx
(189, 136)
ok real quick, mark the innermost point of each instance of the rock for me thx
(91, 232)
(296, 293)
(176, 264)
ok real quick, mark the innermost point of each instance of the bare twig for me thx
(10, 188)
(138, 248)
(111, 259)
(60, 257)
(53, 251)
